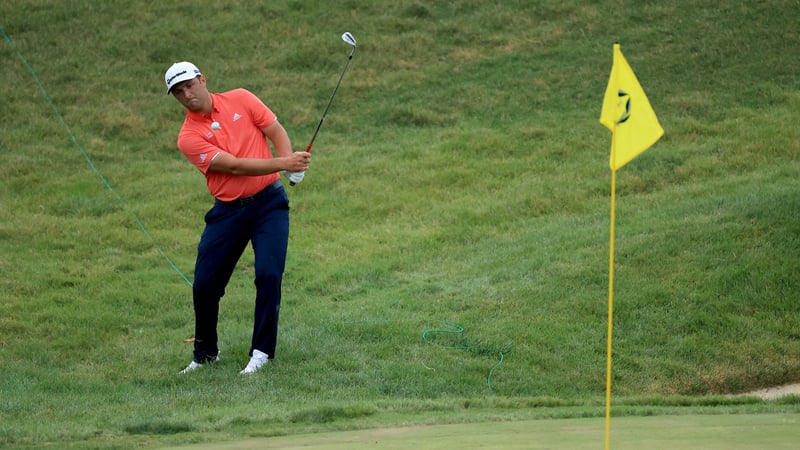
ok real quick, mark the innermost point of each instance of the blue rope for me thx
(458, 329)
(87, 157)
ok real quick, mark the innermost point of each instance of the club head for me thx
(347, 37)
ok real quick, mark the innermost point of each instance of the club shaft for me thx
(330, 100)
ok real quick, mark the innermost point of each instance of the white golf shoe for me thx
(257, 361)
(194, 365)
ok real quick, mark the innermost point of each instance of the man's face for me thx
(193, 94)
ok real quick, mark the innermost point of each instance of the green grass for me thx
(461, 177)
(706, 432)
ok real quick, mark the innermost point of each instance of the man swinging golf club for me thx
(227, 137)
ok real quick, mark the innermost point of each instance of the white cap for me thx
(178, 72)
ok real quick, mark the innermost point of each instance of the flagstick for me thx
(610, 295)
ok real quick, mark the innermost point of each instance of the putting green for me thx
(711, 432)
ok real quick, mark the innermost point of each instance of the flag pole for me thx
(610, 294)
(625, 111)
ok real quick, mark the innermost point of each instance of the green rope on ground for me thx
(458, 329)
(86, 155)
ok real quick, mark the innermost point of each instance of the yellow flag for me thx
(628, 114)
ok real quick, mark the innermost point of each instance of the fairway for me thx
(728, 432)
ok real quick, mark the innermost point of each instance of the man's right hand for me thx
(297, 162)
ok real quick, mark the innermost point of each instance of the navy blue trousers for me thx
(263, 221)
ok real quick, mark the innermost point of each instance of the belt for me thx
(244, 201)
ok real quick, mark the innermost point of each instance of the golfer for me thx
(227, 137)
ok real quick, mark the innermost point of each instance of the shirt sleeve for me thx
(197, 150)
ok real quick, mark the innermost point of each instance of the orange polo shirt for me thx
(241, 116)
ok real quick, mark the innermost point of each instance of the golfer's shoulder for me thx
(239, 94)
(189, 136)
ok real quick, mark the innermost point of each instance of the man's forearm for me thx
(229, 164)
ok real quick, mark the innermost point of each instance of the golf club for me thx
(296, 177)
